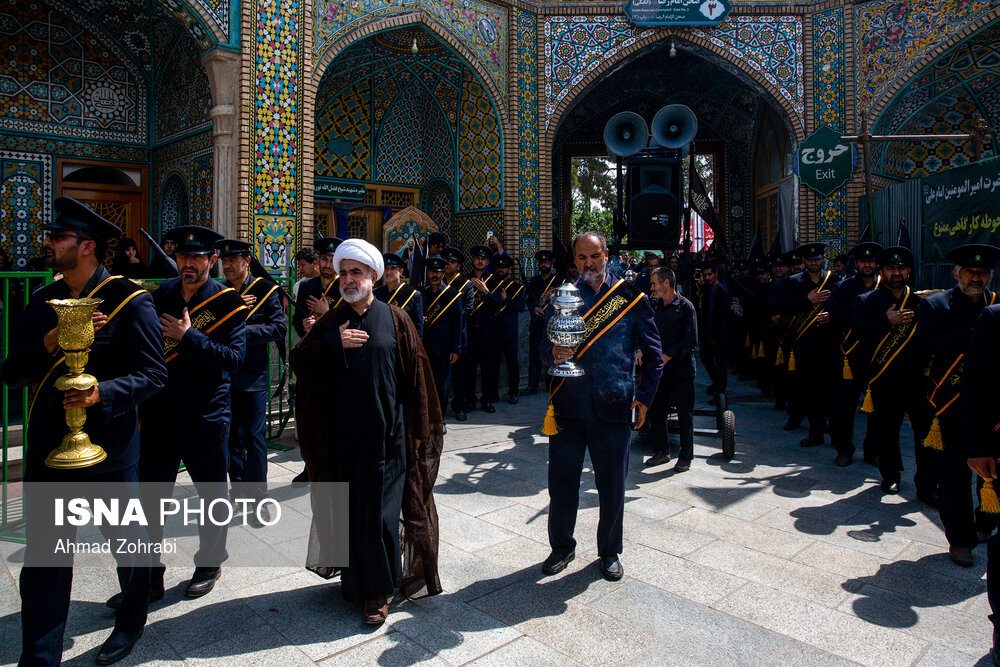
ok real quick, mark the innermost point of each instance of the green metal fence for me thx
(15, 290)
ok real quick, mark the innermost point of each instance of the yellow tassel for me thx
(760, 351)
(933, 439)
(791, 361)
(848, 375)
(988, 501)
(746, 341)
(868, 406)
(753, 353)
(549, 426)
(779, 360)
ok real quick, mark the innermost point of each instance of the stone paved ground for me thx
(776, 557)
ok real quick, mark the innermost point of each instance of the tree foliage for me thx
(593, 178)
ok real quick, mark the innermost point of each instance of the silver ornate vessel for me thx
(566, 328)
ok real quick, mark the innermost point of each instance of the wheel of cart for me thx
(725, 425)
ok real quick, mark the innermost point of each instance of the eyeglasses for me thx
(56, 236)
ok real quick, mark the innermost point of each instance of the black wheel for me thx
(727, 431)
(720, 411)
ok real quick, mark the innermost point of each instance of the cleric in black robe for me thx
(370, 417)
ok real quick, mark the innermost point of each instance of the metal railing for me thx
(15, 290)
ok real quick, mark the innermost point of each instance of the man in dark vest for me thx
(400, 294)
(126, 357)
(442, 326)
(265, 323)
(854, 374)
(944, 327)
(204, 336)
(317, 295)
(537, 293)
(813, 357)
(884, 322)
(508, 330)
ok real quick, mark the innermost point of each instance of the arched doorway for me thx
(395, 128)
(732, 111)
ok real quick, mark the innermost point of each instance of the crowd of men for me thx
(191, 360)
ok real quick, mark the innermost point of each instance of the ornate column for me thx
(223, 69)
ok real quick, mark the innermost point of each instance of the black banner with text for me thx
(960, 206)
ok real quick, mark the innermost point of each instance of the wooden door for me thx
(121, 208)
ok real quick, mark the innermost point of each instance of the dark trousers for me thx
(247, 447)
(506, 348)
(459, 376)
(45, 591)
(883, 432)
(204, 450)
(959, 514)
(609, 446)
(678, 393)
(441, 370)
(536, 333)
(817, 372)
(482, 353)
(714, 358)
(845, 410)
(993, 578)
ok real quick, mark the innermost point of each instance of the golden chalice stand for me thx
(75, 333)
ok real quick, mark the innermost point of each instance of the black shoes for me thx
(844, 460)
(930, 498)
(611, 568)
(155, 595)
(488, 408)
(512, 399)
(811, 441)
(117, 646)
(960, 556)
(461, 416)
(890, 486)
(203, 581)
(300, 480)
(658, 459)
(682, 466)
(556, 562)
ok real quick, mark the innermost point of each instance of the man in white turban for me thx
(368, 415)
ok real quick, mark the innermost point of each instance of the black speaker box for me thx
(655, 206)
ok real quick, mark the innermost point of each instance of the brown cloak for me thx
(424, 439)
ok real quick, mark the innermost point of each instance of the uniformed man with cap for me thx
(204, 336)
(489, 296)
(394, 291)
(775, 328)
(843, 300)
(884, 322)
(265, 323)
(758, 321)
(127, 360)
(979, 411)
(811, 340)
(508, 330)
(944, 327)
(537, 293)
(319, 294)
(453, 261)
(442, 327)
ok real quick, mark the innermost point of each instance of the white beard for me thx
(364, 290)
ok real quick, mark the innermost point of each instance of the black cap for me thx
(897, 254)
(392, 259)
(545, 256)
(811, 250)
(75, 218)
(436, 238)
(842, 258)
(434, 264)
(232, 248)
(975, 256)
(327, 245)
(453, 255)
(866, 250)
(480, 251)
(762, 266)
(194, 240)
(505, 261)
